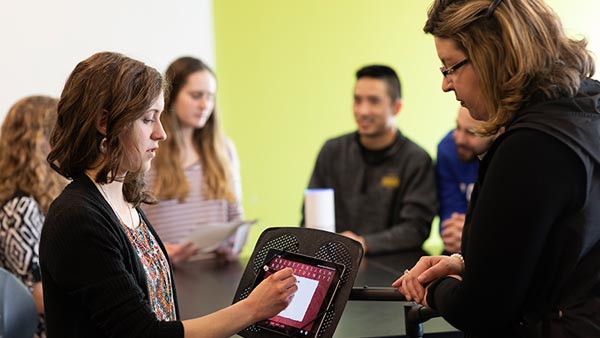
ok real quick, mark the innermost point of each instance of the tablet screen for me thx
(317, 282)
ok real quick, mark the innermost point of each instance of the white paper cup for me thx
(319, 209)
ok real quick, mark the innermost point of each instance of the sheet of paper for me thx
(208, 237)
(241, 234)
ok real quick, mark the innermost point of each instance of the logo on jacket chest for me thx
(390, 181)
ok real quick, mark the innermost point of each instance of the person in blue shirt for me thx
(456, 171)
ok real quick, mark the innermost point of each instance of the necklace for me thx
(115, 209)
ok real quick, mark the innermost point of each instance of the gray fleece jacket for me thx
(388, 196)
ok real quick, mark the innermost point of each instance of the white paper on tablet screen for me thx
(208, 237)
(296, 310)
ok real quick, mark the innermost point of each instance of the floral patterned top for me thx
(157, 271)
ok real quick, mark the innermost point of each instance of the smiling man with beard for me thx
(456, 171)
(384, 186)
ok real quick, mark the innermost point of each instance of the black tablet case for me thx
(310, 242)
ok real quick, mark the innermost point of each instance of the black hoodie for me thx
(531, 240)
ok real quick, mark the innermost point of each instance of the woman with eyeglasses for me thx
(530, 260)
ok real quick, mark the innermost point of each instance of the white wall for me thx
(42, 41)
(580, 20)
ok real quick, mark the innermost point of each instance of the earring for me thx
(103, 145)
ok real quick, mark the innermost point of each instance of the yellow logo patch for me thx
(390, 181)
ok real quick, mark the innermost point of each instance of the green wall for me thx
(286, 75)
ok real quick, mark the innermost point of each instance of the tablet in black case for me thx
(317, 280)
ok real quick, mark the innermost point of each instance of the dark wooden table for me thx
(206, 286)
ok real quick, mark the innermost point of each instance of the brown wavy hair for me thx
(105, 85)
(519, 50)
(23, 149)
(210, 144)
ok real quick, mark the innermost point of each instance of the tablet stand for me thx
(310, 242)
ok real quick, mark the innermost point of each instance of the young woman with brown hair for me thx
(105, 270)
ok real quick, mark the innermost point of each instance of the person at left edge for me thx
(27, 187)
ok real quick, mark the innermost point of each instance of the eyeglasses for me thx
(447, 71)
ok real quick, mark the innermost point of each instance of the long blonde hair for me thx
(209, 142)
(23, 149)
(519, 50)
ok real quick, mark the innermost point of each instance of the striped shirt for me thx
(174, 220)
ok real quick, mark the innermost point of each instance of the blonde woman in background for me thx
(196, 172)
(27, 187)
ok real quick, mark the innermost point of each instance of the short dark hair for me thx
(385, 73)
